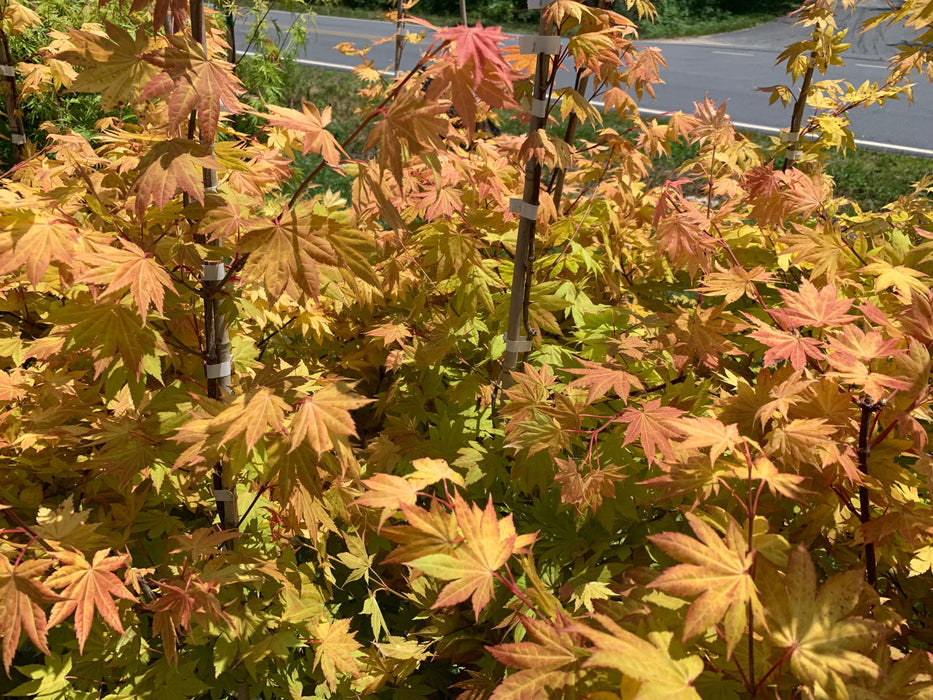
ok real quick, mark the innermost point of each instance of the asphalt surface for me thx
(726, 67)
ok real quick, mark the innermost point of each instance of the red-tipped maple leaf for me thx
(90, 588)
(600, 378)
(547, 659)
(787, 345)
(21, 593)
(177, 604)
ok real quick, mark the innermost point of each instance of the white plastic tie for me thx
(793, 154)
(520, 344)
(224, 495)
(219, 370)
(538, 4)
(789, 136)
(212, 272)
(7, 71)
(18, 139)
(539, 43)
(523, 209)
(539, 108)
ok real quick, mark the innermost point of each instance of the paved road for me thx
(725, 67)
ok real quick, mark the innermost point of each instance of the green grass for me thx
(870, 178)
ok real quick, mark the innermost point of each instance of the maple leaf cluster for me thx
(710, 478)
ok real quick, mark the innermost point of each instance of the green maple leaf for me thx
(49, 680)
(823, 642)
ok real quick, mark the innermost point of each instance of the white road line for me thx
(922, 152)
(871, 65)
(733, 53)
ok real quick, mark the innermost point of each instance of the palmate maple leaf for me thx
(334, 649)
(601, 377)
(323, 419)
(488, 542)
(313, 126)
(548, 659)
(286, 254)
(733, 283)
(130, 268)
(170, 166)
(178, 602)
(787, 345)
(815, 626)
(116, 66)
(89, 589)
(410, 125)
(475, 72)
(653, 425)
(650, 664)
(192, 80)
(251, 416)
(716, 570)
(21, 596)
(35, 239)
(817, 308)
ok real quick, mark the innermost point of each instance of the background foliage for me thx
(709, 479)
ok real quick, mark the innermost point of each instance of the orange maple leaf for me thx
(21, 592)
(654, 425)
(818, 308)
(717, 571)
(312, 124)
(90, 588)
(324, 419)
(601, 377)
(192, 80)
(169, 166)
(787, 345)
(488, 542)
(130, 268)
